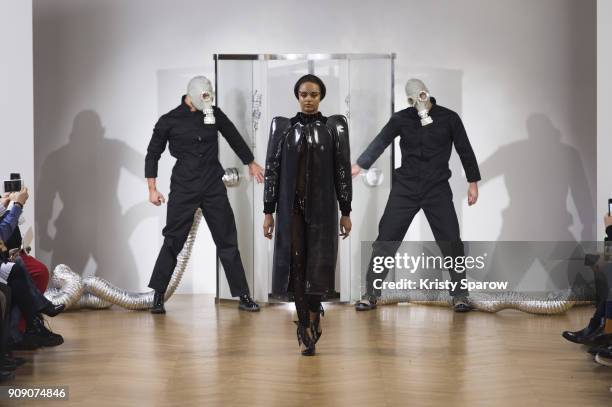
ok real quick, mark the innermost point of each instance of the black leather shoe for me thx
(461, 304)
(42, 335)
(247, 304)
(584, 335)
(52, 310)
(366, 305)
(158, 303)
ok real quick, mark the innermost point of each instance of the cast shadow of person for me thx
(91, 224)
(539, 173)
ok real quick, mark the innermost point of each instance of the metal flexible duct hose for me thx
(94, 292)
(554, 303)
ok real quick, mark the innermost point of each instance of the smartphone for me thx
(609, 206)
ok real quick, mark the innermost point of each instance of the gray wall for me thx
(604, 107)
(16, 105)
(527, 97)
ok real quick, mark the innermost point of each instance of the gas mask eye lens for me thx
(411, 101)
(423, 96)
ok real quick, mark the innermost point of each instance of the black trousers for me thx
(407, 198)
(220, 219)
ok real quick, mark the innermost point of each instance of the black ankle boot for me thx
(37, 335)
(158, 303)
(368, 304)
(247, 304)
(44, 335)
(586, 335)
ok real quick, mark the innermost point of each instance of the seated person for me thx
(39, 274)
(599, 330)
(25, 296)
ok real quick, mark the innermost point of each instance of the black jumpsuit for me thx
(421, 183)
(196, 182)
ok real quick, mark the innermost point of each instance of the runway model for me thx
(308, 174)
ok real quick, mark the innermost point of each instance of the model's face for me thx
(309, 96)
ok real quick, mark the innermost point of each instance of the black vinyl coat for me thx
(328, 183)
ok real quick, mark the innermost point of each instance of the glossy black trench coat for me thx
(328, 183)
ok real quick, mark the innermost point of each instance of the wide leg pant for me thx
(406, 199)
(220, 219)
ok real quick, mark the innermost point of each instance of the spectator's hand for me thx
(607, 220)
(5, 199)
(256, 172)
(156, 198)
(472, 193)
(268, 225)
(345, 226)
(20, 196)
(355, 170)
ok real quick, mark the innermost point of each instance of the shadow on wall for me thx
(539, 173)
(90, 225)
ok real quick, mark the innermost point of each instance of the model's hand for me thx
(355, 170)
(156, 197)
(268, 225)
(20, 196)
(256, 172)
(472, 193)
(345, 226)
(607, 220)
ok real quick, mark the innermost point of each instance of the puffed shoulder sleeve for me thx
(338, 126)
(278, 130)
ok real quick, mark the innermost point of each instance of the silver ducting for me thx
(67, 287)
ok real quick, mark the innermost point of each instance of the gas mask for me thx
(202, 96)
(418, 97)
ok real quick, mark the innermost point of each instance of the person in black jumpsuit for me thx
(196, 182)
(421, 183)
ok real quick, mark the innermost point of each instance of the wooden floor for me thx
(206, 354)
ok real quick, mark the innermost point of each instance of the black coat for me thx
(328, 183)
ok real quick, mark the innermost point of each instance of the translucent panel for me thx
(252, 92)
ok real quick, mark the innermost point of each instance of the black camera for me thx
(14, 185)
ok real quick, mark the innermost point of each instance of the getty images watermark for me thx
(409, 263)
